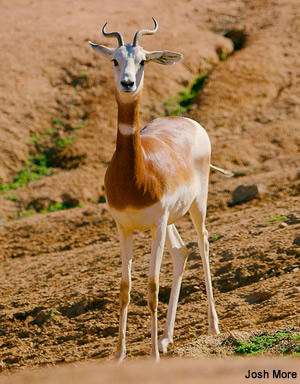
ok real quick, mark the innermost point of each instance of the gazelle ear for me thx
(164, 57)
(104, 51)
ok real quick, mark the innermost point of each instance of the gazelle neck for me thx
(128, 116)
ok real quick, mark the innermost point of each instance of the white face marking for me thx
(129, 69)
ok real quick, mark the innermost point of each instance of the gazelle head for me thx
(129, 61)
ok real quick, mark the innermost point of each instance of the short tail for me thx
(223, 171)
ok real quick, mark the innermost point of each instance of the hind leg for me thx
(179, 255)
(198, 213)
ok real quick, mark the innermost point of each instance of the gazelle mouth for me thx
(127, 90)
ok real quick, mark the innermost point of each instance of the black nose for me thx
(127, 84)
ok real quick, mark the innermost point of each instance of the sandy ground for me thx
(60, 272)
(192, 371)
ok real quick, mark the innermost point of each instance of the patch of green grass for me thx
(278, 218)
(213, 239)
(296, 337)
(11, 197)
(63, 143)
(37, 139)
(54, 207)
(28, 213)
(102, 199)
(297, 351)
(46, 146)
(57, 122)
(33, 140)
(35, 167)
(83, 75)
(244, 348)
(260, 344)
(288, 351)
(180, 104)
(284, 351)
(57, 207)
(49, 132)
(223, 56)
(81, 125)
(54, 312)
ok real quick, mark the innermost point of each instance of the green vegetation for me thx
(63, 143)
(265, 342)
(11, 197)
(81, 125)
(180, 104)
(213, 239)
(28, 213)
(297, 351)
(35, 167)
(102, 199)
(37, 139)
(54, 312)
(55, 207)
(278, 218)
(287, 351)
(83, 75)
(223, 56)
(57, 122)
(44, 150)
(296, 337)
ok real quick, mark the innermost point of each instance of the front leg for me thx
(157, 249)
(126, 240)
(179, 255)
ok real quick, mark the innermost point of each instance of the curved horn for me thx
(144, 32)
(113, 34)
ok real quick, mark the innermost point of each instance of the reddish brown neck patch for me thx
(125, 179)
(128, 113)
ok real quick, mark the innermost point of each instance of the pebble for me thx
(296, 289)
(283, 225)
(244, 193)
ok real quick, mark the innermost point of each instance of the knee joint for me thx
(153, 295)
(124, 293)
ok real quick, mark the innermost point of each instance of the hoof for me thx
(163, 345)
(214, 331)
(119, 357)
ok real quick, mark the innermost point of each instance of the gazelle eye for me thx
(142, 63)
(115, 63)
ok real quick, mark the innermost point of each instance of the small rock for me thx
(258, 297)
(296, 289)
(244, 193)
(296, 269)
(41, 317)
(298, 174)
(293, 219)
(283, 225)
(11, 359)
(69, 201)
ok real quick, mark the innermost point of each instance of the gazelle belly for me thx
(173, 205)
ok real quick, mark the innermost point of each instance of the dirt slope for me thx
(60, 272)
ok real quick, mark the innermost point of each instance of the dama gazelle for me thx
(155, 176)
